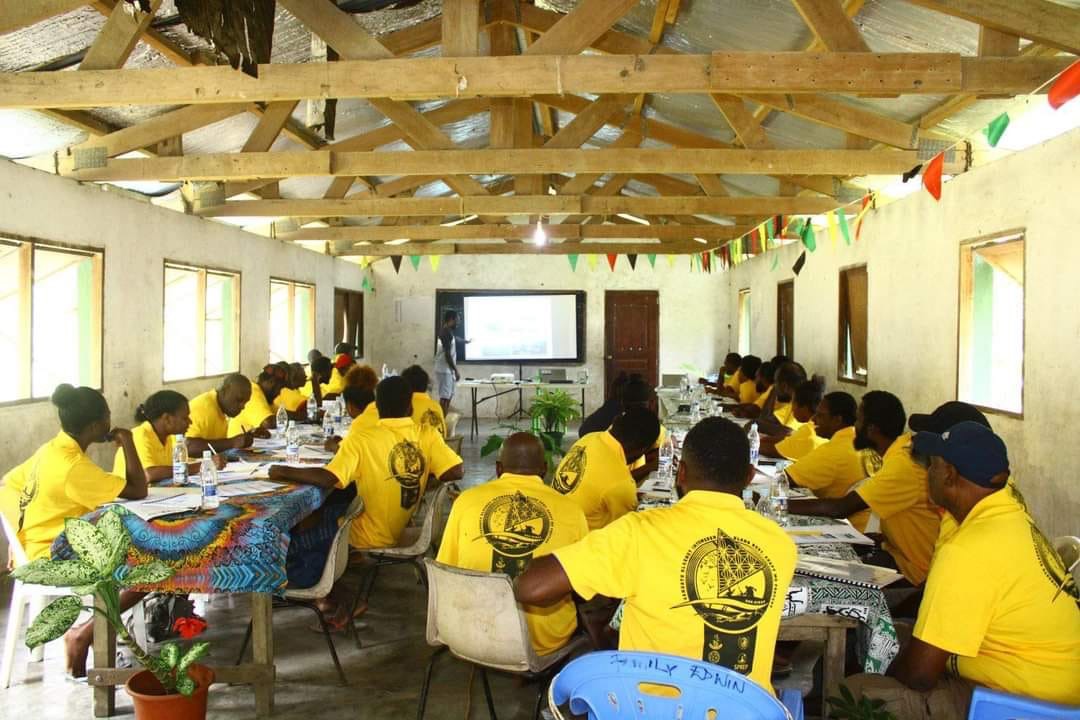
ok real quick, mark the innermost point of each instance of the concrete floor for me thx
(384, 676)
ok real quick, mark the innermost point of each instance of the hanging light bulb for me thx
(539, 236)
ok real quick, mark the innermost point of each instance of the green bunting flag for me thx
(415, 260)
(573, 262)
(366, 285)
(809, 239)
(841, 217)
(652, 260)
(996, 129)
(769, 233)
(775, 261)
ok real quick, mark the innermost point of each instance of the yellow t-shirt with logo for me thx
(832, 469)
(595, 476)
(704, 579)
(208, 422)
(254, 413)
(59, 481)
(763, 397)
(425, 412)
(501, 526)
(290, 398)
(390, 463)
(151, 451)
(899, 494)
(989, 601)
(748, 393)
(800, 443)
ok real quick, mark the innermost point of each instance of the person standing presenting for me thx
(446, 372)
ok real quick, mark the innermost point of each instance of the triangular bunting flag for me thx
(911, 173)
(633, 261)
(611, 260)
(651, 257)
(809, 239)
(841, 216)
(573, 262)
(671, 261)
(366, 285)
(931, 177)
(996, 129)
(592, 260)
(415, 260)
(396, 259)
(706, 262)
(1066, 87)
(862, 211)
(770, 229)
(775, 262)
(798, 266)
(778, 230)
(834, 231)
(364, 261)
(434, 260)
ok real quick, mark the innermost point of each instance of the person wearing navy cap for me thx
(1000, 609)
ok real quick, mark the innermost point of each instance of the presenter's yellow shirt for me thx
(595, 476)
(704, 579)
(763, 397)
(734, 380)
(290, 398)
(800, 443)
(254, 413)
(501, 526)
(390, 463)
(152, 452)
(898, 493)
(748, 393)
(208, 422)
(832, 469)
(59, 481)
(425, 413)
(990, 601)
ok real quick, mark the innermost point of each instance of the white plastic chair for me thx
(475, 616)
(451, 421)
(1068, 549)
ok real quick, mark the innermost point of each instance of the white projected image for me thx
(520, 327)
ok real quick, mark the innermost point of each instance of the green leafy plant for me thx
(552, 410)
(552, 442)
(102, 568)
(846, 707)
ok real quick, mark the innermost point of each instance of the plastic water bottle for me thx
(208, 477)
(779, 495)
(282, 419)
(748, 498)
(292, 443)
(755, 444)
(328, 425)
(312, 409)
(666, 457)
(179, 460)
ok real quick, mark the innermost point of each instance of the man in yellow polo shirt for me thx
(897, 493)
(502, 525)
(704, 579)
(831, 470)
(804, 438)
(777, 416)
(728, 379)
(595, 473)
(210, 413)
(426, 412)
(1000, 609)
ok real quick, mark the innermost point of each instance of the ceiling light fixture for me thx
(539, 236)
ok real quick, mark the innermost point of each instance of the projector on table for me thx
(502, 377)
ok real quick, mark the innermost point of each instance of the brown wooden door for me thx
(349, 318)
(631, 335)
(785, 319)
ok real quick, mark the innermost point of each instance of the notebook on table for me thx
(846, 571)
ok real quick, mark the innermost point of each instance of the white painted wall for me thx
(136, 238)
(911, 251)
(693, 310)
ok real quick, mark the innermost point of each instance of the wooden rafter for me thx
(1042, 21)
(159, 127)
(460, 28)
(114, 43)
(380, 233)
(579, 28)
(831, 25)
(15, 14)
(563, 248)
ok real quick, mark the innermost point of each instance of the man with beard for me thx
(897, 493)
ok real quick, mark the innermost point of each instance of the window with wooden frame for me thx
(785, 318)
(852, 359)
(744, 322)
(292, 320)
(201, 322)
(349, 318)
(51, 297)
(990, 365)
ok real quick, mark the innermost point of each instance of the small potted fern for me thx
(173, 685)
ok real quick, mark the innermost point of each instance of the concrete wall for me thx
(400, 316)
(136, 238)
(911, 251)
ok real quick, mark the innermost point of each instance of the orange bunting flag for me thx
(858, 218)
(931, 177)
(1066, 87)
(611, 260)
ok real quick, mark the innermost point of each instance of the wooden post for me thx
(262, 650)
(104, 657)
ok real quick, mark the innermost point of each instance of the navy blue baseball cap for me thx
(971, 447)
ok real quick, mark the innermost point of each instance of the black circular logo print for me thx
(515, 525)
(570, 470)
(729, 582)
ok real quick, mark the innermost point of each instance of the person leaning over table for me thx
(804, 439)
(161, 417)
(595, 472)
(505, 524)
(777, 416)
(897, 493)
(639, 394)
(603, 416)
(210, 413)
(289, 396)
(60, 481)
(663, 562)
(258, 413)
(389, 463)
(1000, 609)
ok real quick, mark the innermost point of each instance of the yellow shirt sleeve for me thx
(887, 495)
(957, 605)
(800, 443)
(90, 486)
(763, 398)
(604, 562)
(748, 392)
(346, 461)
(254, 413)
(734, 381)
(442, 457)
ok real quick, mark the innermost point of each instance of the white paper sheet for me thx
(253, 487)
(832, 533)
(155, 507)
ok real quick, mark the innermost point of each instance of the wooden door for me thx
(349, 318)
(631, 335)
(785, 319)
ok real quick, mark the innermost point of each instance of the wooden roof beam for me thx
(831, 25)
(117, 38)
(16, 14)
(1045, 22)
(506, 231)
(517, 248)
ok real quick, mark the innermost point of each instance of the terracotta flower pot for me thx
(151, 702)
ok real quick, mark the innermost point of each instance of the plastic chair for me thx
(337, 561)
(612, 684)
(1068, 549)
(451, 421)
(475, 616)
(987, 704)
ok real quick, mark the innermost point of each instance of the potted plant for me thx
(552, 443)
(172, 685)
(551, 411)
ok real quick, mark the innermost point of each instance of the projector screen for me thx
(516, 326)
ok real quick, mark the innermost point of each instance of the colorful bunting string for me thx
(834, 231)
(1065, 87)
(841, 216)
(931, 177)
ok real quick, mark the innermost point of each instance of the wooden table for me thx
(832, 631)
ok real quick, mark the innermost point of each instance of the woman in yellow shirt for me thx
(162, 416)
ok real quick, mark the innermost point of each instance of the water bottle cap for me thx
(207, 455)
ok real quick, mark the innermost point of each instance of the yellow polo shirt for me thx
(291, 399)
(785, 415)
(704, 579)
(748, 393)
(258, 408)
(834, 467)
(501, 526)
(898, 493)
(800, 443)
(595, 476)
(734, 381)
(425, 413)
(763, 397)
(208, 422)
(989, 601)
(152, 452)
(390, 463)
(59, 481)
(335, 385)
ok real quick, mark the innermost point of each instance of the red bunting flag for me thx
(1066, 87)
(862, 212)
(706, 261)
(611, 260)
(931, 177)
